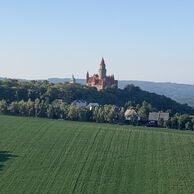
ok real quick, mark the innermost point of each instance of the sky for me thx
(139, 40)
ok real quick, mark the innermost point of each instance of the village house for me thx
(158, 119)
(156, 116)
(79, 103)
(82, 103)
(131, 114)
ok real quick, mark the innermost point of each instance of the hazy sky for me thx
(140, 40)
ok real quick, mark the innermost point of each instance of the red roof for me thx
(96, 81)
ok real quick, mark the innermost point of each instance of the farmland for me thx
(53, 156)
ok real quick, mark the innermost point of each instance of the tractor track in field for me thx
(82, 168)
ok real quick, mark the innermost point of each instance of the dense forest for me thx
(182, 93)
(15, 90)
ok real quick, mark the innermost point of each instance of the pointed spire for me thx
(102, 69)
(87, 76)
(102, 64)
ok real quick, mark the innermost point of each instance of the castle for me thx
(101, 80)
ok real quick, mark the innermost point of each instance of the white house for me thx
(93, 104)
(82, 103)
(131, 114)
(79, 103)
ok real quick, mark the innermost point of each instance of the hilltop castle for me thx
(101, 80)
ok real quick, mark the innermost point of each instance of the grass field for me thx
(48, 156)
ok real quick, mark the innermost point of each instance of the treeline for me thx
(182, 122)
(102, 114)
(60, 110)
(15, 91)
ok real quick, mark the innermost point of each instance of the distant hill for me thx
(63, 80)
(182, 93)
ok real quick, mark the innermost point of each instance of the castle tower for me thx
(87, 77)
(72, 81)
(102, 70)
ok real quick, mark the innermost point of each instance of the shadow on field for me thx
(4, 156)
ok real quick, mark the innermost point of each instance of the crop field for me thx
(50, 156)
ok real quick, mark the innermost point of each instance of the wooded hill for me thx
(14, 90)
(182, 93)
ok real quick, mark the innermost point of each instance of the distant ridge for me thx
(183, 93)
(64, 80)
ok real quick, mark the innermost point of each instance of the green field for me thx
(48, 156)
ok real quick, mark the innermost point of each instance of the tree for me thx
(174, 122)
(84, 114)
(161, 122)
(110, 114)
(3, 107)
(73, 113)
(121, 115)
(30, 107)
(189, 126)
(50, 111)
(144, 110)
(182, 120)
